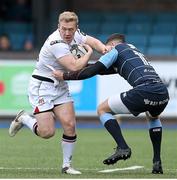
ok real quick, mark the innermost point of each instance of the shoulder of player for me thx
(80, 32)
(54, 38)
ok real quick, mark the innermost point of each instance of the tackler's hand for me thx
(57, 74)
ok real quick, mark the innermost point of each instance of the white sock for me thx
(68, 148)
(29, 121)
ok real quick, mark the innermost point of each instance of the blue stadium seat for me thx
(161, 40)
(137, 39)
(164, 28)
(175, 41)
(141, 48)
(138, 28)
(103, 37)
(91, 28)
(159, 50)
(90, 16)
(112, 27)
(140, 45)
(15, 27)
(17, 40)
(166, 17)
(141, 17)
(174, 50)
(115, 17)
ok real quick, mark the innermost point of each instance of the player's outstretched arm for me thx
(84, 73)
(108, 71)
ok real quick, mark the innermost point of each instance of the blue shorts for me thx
(152, 98)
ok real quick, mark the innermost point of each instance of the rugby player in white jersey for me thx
(49, 97)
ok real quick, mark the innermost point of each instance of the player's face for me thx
(67, 30)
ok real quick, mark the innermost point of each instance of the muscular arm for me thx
(96, 44)
(72, 64)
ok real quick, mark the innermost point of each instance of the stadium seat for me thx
(90, 16)
(115, 17)
(166, 17)
(141, 48)
(15, 27)
(164, 28)
(137, 39)
(112, 27)
(159, 50)
(103, 37)
(140, 41)
(174, 50)
(141, 17)
(161, 40)
(175, 41)
(17, 40)
(92, 28)
(138, 28)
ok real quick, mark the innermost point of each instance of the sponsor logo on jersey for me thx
(56, 41)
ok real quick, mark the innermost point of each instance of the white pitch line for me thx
(121, 169)
(26, 168)
(42, 168)
(85, 169)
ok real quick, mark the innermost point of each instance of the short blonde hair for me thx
(68, 16)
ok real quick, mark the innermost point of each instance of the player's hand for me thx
(105, 50)
(58, 74)
(109, 48)
(88, 48)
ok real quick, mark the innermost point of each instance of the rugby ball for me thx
(78, 50)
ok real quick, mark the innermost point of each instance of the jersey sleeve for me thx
(109, 58)
(60, 49)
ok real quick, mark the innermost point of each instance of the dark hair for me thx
(116, 36)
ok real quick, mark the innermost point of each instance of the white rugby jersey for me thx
(53, 49)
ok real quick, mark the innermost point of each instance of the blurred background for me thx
(151, 25)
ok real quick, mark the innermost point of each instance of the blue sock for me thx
(112, 126)
(155, 132)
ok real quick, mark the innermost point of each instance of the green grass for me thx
(39, 158)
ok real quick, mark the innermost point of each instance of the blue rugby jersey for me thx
(131, 64)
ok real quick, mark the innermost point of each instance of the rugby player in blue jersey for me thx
(149, 95)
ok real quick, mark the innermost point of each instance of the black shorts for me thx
(152, 98)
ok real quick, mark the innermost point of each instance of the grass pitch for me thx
(28, 156)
